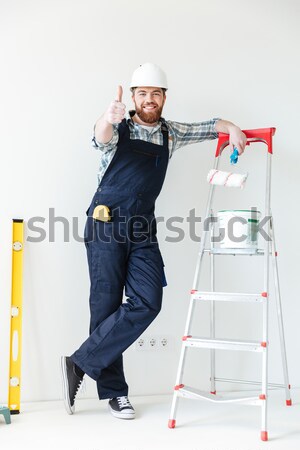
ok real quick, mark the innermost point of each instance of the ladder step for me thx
(229, 297)
(224, 344)
(192, 393)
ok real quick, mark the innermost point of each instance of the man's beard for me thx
(150, 116)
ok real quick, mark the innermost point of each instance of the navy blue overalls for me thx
(123, 252)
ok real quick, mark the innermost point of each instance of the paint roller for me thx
(228, 179)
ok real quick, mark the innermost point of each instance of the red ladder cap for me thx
(178, 386)
(264, 435)
(263, 344)
(172, 423)
(213, 392)
(184, 338)
(289, 402)
(262, 397)
(264, 294)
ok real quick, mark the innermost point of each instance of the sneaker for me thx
(121, 407)
(71, 382)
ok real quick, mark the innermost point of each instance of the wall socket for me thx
(153, 342)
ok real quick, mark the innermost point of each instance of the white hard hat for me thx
(149, 74)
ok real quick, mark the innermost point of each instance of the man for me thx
(120, 233)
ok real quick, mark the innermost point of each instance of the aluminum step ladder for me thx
(268, 252)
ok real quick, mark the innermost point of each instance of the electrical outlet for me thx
(163, 342)
(154, 343)
(140, 344)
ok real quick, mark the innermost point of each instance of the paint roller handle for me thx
(234, 157)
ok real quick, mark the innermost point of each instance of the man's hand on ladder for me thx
(237, 139)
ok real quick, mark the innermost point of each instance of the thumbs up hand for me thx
(116, 110)
(119, 94)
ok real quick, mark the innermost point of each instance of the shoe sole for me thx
(120, 415)
(70, 409)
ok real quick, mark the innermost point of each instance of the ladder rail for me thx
(265, 330)
(205, 232)
(212, 315)
(279, 314)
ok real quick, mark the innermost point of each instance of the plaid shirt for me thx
(180, 134)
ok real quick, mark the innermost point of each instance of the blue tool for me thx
(6, 413)
(234, 156)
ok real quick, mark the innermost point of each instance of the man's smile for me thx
(149, 107)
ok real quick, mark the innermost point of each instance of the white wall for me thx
(61, 63)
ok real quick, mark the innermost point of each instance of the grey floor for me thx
(200, 426)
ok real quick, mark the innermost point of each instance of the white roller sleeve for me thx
(227, 178)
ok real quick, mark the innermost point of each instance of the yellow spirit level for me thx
(14, 386)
